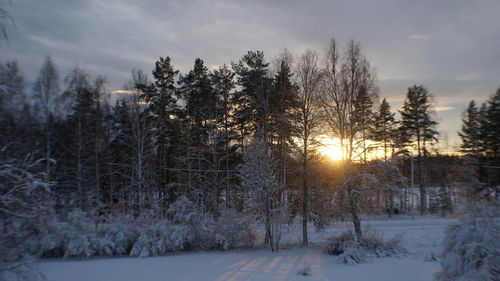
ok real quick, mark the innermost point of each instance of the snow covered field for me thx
(421, 237)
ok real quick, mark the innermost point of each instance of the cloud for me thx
(115, 36)
(124, 92)
(444, 108)
(418, 36)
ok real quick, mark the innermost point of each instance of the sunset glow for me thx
(330, 147)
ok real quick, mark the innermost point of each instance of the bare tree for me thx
(349, 90)
(308, 79)
(47, 92)
(139, 141)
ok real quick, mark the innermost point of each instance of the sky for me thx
(452, 47)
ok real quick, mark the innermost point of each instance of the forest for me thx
(192, 161)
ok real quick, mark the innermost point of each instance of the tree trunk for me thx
(305, 194)
(355, 216)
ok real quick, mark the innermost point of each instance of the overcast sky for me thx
(450, 46)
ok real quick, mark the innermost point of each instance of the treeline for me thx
(243, 136)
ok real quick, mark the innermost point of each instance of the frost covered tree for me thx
(264, 195)
(12, 84)
(25, 202)
(389, 180)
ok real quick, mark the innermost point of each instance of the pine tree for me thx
(161, 96)
(470, 132)
(418, 126)
(222, 80)
(252, 101)
(284, 111)
(202, 140)
(196, 91)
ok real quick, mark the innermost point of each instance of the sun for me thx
(330, 147)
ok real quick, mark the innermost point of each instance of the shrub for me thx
(350, 251)
(234, 230)
(304, 269)
(472, 248)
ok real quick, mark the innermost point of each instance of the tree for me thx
(349, 87)
(25, 204)
(87, 121)
(384, 126)
(308, 79)
(199, 114)
(251, 103)
(132, 149)
(222, 80)
(483, 125)
(493, 125)
(12, 84)
(258, 179)
(284, 111)
(162, 109)
(470, 132)
(47, 92)
(5, 21)
(418, 126)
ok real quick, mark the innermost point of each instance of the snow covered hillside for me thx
(422, 237)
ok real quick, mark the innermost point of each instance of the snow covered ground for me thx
(421, 237)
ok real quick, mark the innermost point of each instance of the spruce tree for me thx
(483, 125)
(384, 126)
(493, 125)
(470, 132)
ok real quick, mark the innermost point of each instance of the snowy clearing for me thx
(421, 237)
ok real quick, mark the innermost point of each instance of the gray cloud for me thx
(450, 46)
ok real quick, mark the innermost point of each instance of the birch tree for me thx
(349, 91)
(308, 79)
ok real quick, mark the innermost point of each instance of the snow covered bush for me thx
(154, 240)
(472, 248)
(114, 239)
(304, 269)
(348, 250)
(234, 230)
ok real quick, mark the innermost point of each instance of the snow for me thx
(421, 236)
(238, 265)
